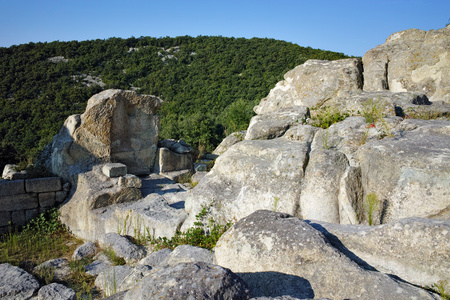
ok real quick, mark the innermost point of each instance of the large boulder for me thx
(229, 141)
(409, 174)
(117, 126)
(313, 83)
(190, 281)
(252, 175)
(277, 254)
(400, 248)
(411, 60)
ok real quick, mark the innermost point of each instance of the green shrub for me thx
(200, 235)
(327, 116)
(371, 205)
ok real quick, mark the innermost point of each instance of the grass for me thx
(42, 239)
(112, 256)
(371, 205)
(439, 288)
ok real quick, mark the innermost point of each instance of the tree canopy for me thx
(209, 84)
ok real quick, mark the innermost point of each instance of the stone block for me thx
(114, 170)
(42, 185)
(60, 196)
(31, 213)
(18, 202)
(47, 199)
(5, 218)
(18, 218)
(169, 161)
(9, 188)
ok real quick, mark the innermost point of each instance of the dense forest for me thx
(209, 84)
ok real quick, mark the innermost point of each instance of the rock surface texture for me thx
(16, 284)
(411, 60)
(117, 126)
(277, 255)
(190, 281)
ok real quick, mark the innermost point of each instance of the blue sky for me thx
(351, 27)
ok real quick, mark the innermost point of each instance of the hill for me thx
(209, 84)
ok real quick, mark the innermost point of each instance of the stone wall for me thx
(22, 200)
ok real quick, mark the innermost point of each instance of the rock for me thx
(111, 279)
(190, 281)
(411, 60)
(60, 266)
(114, 170)
(15, 283)
(198, 176)
(275, 124)
(178, 176)
(156, 258)
(188, 253)
(40, 185)
(122, 247)
(276, 254)
(56, 291)
(414, 249)
(139, 272)
(169, 161)
(100, 264)
(313, 83)
(10, 173)
(86, 250)
(229, 141)
(324, 178)
(405, 170)
(200, 167)
(131, 181)
(94, 191)
(117, 126)
(251, 175)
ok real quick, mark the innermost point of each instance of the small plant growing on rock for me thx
(327, 116)
(371, 205)
(112, 256)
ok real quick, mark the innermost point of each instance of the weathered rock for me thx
(275, 124)
(131, 181)
(169, 161)
(16, 284)
(111, 279)
(86, 250)
(122, 247)
(188, 253)
(409, 174)
(60, 266)
(411, 60)
(251, 175)
(156, 258)
(414, 249)
(99, 265)
(190, 281)
(313, 83)
(229, 141)
(138, 272)
(117, 126)
(319, 198)
(10, 173)
(12, 187)
(277, 254)
(39, 185)
(94, 191)
(56, 291)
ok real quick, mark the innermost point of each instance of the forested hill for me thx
(209, 84)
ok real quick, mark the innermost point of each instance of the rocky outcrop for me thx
(117, 126)
(401, 248)
(252, 175)
(229, 141)
(277, 254)
(101, 205)
(313, 83)
(411, 60)
(409, 173)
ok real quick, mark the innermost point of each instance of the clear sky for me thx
(351, 27)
